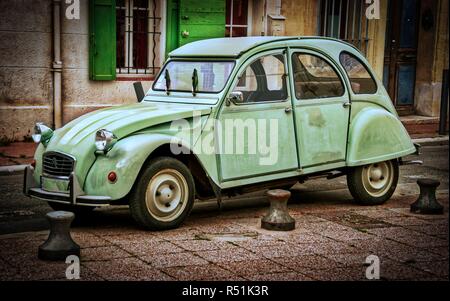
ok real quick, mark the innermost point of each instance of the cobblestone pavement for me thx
(332, 239)
(330, 242)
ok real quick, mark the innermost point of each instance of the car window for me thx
(360, 79)
(263, 80)
(315, 78)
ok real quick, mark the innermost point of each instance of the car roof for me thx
(233, 47)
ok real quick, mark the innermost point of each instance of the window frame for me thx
(332, 64)
(148, 73)
(160, 73)
(250, 61)
(249, 19)
(369, 71)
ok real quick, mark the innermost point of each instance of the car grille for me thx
(56, 164)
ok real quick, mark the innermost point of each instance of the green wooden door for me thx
(102, 39)
(193, 20)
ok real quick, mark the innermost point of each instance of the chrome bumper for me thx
(76, 195)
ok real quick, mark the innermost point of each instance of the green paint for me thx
(317, 135)
(102, 39)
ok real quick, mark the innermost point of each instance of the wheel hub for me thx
(166, 195)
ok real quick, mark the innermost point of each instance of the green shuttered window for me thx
(102, 39)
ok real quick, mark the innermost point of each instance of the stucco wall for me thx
(25, 61)
(80, 94)
(26, 79)
(432, 58)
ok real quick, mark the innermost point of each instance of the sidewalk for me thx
(15, 156)
(331, 241)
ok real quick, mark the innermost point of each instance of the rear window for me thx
(360, 79)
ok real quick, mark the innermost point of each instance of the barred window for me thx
(238, 16)
(138, 36)
(345, 20)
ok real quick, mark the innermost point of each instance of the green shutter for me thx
(202, 19)
(102, 39)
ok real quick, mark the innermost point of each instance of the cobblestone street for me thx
(332, 239)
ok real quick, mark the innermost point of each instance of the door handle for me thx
(288, 109)
(347, 104)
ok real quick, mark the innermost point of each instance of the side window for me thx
(263, 80)
(360, 78)
(315, 78)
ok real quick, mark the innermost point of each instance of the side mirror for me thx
(236, 97)
(139, 90)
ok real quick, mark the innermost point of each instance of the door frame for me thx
(310, 102)
(281, 104)
(392, 53)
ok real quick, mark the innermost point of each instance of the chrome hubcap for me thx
(377, 178)
(166, 195)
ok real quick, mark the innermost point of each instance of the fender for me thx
(376, 135)
(126, 159)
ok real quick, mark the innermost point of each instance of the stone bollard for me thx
(278, 218)
(427, 203)
(59, 243)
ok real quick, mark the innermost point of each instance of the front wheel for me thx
(164, 194)
(373, 184)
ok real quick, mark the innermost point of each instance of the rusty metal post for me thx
(278, 218)
(59, 244)
(427, 203)
(444, 104)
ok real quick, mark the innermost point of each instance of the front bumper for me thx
(76, 195)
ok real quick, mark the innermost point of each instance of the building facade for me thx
(60, 59)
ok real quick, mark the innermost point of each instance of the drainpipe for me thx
(57, 64)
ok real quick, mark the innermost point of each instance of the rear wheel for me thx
(373, 184)
(164, 194)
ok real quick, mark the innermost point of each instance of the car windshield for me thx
(212, 76)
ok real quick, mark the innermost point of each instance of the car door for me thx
(258, 134)
(321, 109)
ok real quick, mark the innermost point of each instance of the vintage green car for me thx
(223, 117)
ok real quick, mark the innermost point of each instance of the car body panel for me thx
(316, 136)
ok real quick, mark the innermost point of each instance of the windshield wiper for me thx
(194, 82)
(167, 78)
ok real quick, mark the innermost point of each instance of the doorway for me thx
(400, 57)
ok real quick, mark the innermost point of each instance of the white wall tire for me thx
(373, 184)
(163, 195)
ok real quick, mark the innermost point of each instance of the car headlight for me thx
(42, 133)
(104, 140)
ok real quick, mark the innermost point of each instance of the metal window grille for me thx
(238, 16)
(345, 20)
(138, 36)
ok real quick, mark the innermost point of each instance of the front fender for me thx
(125, 159)
(377, 135)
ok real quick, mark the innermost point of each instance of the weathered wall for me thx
(432, 58)
(26, 81)
(80, 94)
(25, 61)
(301, 17)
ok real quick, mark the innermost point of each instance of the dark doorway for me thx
(400, 58)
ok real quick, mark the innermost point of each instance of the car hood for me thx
(77, 137)
(124, 120)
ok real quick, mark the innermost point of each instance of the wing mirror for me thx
(139, 90)
(236, 97)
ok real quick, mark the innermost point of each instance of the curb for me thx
(440, 140)
(12, 169)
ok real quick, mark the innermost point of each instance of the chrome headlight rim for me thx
(104, 140)
(42, 133)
